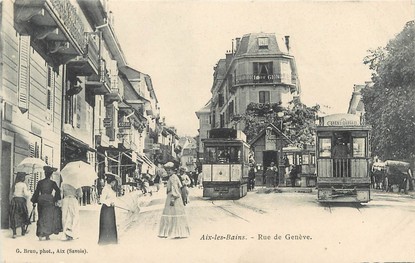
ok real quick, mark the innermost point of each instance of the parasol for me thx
(78, 174)
(31, 165)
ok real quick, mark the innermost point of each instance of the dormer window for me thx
(263, 42)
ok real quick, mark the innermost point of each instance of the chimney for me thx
(229, 56)
(238, 41)
(287, 42)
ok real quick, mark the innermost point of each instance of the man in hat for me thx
(46, 194)
(185, 180)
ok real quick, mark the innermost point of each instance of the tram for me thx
(343, 159)
(225, 164)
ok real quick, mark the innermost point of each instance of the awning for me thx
(148, 165)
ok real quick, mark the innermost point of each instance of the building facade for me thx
(67, 93)
(259, 69)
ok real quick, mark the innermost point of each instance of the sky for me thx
(179, 42)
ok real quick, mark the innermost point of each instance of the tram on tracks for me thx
(225, 164)
(343, 159)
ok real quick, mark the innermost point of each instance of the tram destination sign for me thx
(341, 120)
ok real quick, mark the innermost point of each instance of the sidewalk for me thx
(89, 218)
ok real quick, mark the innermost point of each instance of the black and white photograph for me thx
(238, 131)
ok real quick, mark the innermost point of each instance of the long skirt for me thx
(70, 216)
(173, 221)
(107, 226)
(50, 217)
(19, 216)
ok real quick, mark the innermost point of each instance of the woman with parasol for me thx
(173, 221)
(19, 216)
(107, 222)
(70, 211)
(49, 221)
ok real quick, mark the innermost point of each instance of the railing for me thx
(341, 167)
(92, 50)
(261, 78)
(68, 15)
(104, 76)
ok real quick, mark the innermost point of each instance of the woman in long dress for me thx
(49, 221)
(107, 222)
(70, 211)
(173, 221)
(19, 216)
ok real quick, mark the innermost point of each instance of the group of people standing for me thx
(52, 217)
(58, 207)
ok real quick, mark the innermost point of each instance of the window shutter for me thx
(24, 73)
(31, 150)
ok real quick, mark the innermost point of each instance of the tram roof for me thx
(223, 141)
(344, 128)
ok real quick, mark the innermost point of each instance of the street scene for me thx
(282, 222)
(217, 131)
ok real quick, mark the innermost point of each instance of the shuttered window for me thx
(50, 94)
(24, 73)
(264, 97)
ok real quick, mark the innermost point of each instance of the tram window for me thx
(305, 159)
(290, 158)
(324, 147)
(235, 155)
(312, 158)
(210, 154)
(359, 147)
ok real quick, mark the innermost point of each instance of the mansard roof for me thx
(249, 45)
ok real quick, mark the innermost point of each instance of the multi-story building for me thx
(356, 105)
(205, 125)
(188, 153)
(260, 69)
(68, 93)
(37, 39)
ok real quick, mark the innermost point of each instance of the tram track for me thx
(330, 208)
(229, 211)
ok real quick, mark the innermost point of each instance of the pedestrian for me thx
(107, 221)
(270, 177)
(251, 178)
(293, 175)
(185, 180)
(70, 211)
(173, 221)
(200, 180)
(19, 216)
(46, 194)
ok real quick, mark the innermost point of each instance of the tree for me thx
(389, 103)
(297, 121)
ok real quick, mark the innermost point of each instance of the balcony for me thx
(95, 10)
(113, 95)
(89, 63)
(99, 84)
(55, 28)
(263, 79)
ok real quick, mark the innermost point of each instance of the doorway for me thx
(267, 158)
(5, 182)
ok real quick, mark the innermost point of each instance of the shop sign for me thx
(342, 120)
(124, 124)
